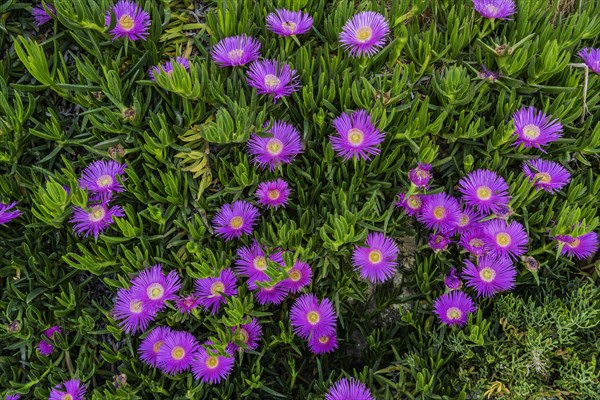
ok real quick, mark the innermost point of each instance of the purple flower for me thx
(151, 344)
(280, 148)
(52, 330)
(377, 261)
(94, 220)
(73, 391)
(298, 277)
(40, 16)
(323, 344)
(252, 261)
(176, 354)
(13, 397)
(273, 193)
(546, 175)
(439, 242)
(168, 67)
(580, 247)
(311, 318)
(45, 348)
(492, 275)
(591, 57)
(209, 367)
(213, 292)
(486, 74)
(412, 204)
(248, 334)
(186, 304)
(101, 177)
(270, 77)
(440, 212)
(534, 129)
(273, 294)
(452, 281)
(504, 239)
(364, 34)
(287, 23)
(473, 241)
(346, 389)
(453, 308)
(7, 214)
(235, 220)
(234, 51)
(484, 190)
(134, 314)
(131, 21)
(495, 9)
(420, 175)
(154, 288)
(356, 136)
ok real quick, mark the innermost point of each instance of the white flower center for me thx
(271, 81)
(531, 131)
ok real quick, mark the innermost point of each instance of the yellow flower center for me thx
(313, 317)
(464, 220)
(236, 54)
(212, 362)
(476, 242)
(484, 193)
(273, 194)
(364, 34)
(242, 335)
(453, 313)
(295, 275)
(155, 291)
(574, 244)
(274, 146)
(271, 81)
(104, 180)
(236, 222)
(260, 263)
(324, 339)
(289, 26)
(355, 136)
(177, 353)
(98, 213)
(439, 212)
(66, 396)
(543, 177)
(503, 239)
(414, 202)
(217, 288)
(487, 274)
(136, 307)
(126, 22)
(157, 345)
(375, 256)
(531, 131)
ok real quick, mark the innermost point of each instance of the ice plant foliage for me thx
(364, 34)
(356, 136)
(495, 9)
(535, 129)
(453, 308)
(346, 389)
(235, 220)
(376, 261)
(8, 212)
(235, 51)
(131, 21)
(546, 175)
(273, 78)
(287, 23)
(70, 390)
(273, 194)
(281, 147)
(591, 57)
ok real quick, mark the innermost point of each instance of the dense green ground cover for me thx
(69, 95)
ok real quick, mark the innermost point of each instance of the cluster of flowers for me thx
(69, 390)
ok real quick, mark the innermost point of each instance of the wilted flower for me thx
(120, 381)
(440, 211)
(346, 389)
(235, 220)
(495, 9)
(490, 276)
(377, 261)
(591, 57)
(234, 51)
(273, 194)
(309, 317)
(40, 16)
(186, 304)
(271, 77)
(168, 67)
(412, 204)
(530, 263)
(131, 21)
(287, 23)
(280, 148)
(356, 136)
(95, 219)
(151, 344)
(213, 292)
(323, 344)
(154, 288)
(452, 281)
(364, 34)
(453, 308)
(546, 175)
(247, 334)
(484, 190)
(488, 75)
(420, 175)
(504, 239)
(298, 277)
(176, 354)
(438, 242)
(535, 129)
(580, 247)
(73, 390)
(133, 313)
(209, 367)
(7, 213)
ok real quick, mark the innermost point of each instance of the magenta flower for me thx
(364, 34)
(495, 9)
(247, 335)
(154, 288)
(234, 51)
(7, 213)
(287, 23)
(535, 129)
(40, 16)
(591, 57)
(377, 261)
(467, 220)
(298, 277)
(134, 314)
(186, 304)
(273, 294)
(45, 348)
(580, 247)
(273, 194)
(270, 77)
(73, 390)
(52, 330)
(453, 308)
(484, 190)
(412, 204)
(356, 136)
(235, 220)
(492, 275)
(546, 175)
(213, 292)
(420, 175)
(346, 389)
(176, 354)
(323, 344)
(504, 239)
(100, 177)
(311, 318)
(94, 220)
(452, 281)
(168, 67)
(151, 344)
(131, 21)
(440, 212)
(209, 367)
(281, 148)
(474, 242)
(438, 242)
(252, 261)
(13, 397)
